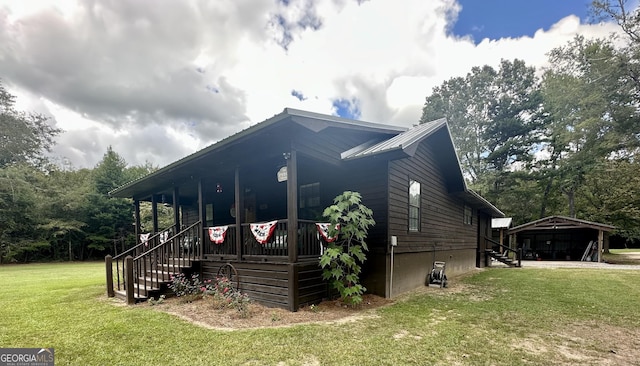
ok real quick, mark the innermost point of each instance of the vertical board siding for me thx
(441, 213)
(370, 180)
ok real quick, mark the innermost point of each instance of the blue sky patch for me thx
(495, 19)
(346, 108)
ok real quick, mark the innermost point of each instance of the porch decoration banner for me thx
(144, 238)
(323, 229)
(217, 234)
(263, 232)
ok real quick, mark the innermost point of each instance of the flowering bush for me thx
(188, 288)
(221, 290)
(226, 296)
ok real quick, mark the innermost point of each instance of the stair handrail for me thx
(119, 259)
(169, 240)
(149, 240)
(142, 266)
(517, 252)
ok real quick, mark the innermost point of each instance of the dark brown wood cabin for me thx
(289, 168)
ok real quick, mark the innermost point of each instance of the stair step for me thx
(122, 294)
(150, 280)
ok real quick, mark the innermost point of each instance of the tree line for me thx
(53, 212)
(563, 140)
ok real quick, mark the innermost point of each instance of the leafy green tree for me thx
(611, 194)
(618, 10)
(494, 117)
(66, 207)
(19, 217)
(341, 261)
(593, 113)
(110, 173)
(165, 217)
(24, 137)
(109, 219)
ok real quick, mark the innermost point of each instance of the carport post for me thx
(600, 244)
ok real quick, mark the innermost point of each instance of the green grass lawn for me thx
(492, 317)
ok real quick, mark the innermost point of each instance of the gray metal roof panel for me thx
(501, 222)
(401, 141)
(344, 122)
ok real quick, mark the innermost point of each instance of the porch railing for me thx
(159, 263)
(277, 245)
(309, 242)
(119, 260)
(154, 261)
(146, 266)
(227, 247)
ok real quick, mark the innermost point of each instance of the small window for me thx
(468, 215)
(414, 205)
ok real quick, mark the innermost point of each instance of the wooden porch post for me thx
(128, 279)
(238, 206)
(137, 229)
(154, 212)
(600, 244)
(108, 260)
(176, 208)
(202, 213)
(292, 230)
(176, 219)
(292, 206)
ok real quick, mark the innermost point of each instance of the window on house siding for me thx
(414, 205)
(468, 215)
(310, 195)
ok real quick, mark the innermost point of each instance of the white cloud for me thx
(158, 82)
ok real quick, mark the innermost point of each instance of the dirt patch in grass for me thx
(202, 312)
(629, 258)
(585, 344)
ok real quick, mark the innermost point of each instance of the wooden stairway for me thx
(504, 254)
(503, 258)
(146, 270)
(154, 283)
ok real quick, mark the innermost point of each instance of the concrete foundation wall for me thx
(410, 270)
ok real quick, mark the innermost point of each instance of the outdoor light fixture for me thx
(218, 188)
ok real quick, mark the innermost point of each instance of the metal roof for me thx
(501, 222)
(311, 120)
(389, 138)
(300, 116)
(473, 198)
(561, 222)
(403, 141)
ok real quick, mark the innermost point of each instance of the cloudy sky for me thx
(160, 79)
